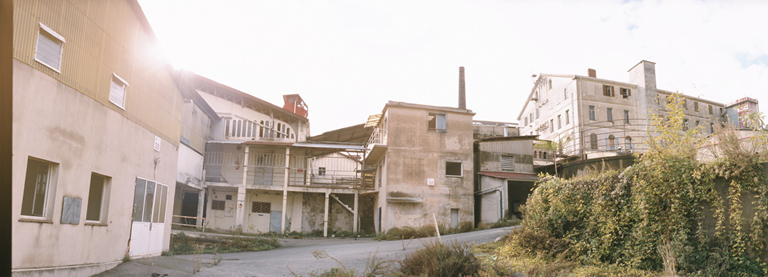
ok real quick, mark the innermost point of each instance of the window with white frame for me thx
(39, 188)
(50, 46)
(117, 91)
(149, 201)
(453, 169)
(98, 198)
(436, 122)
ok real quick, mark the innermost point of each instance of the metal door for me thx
(148, 221)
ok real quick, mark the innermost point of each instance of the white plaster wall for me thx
(221, 105)
(190, 167)
(54, 122)
(218, 219)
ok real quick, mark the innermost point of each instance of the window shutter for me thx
(508, 163)
(441, 122)
(48, 50)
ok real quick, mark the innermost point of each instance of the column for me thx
(200, 205)
(240, 209)
(285, 188)
(355, 227)
(325, 221)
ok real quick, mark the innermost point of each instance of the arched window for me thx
(611, 142)
(628, 143)
(279, 134)
(261, 129)
(593, 141)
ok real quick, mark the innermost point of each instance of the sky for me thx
(347, 59)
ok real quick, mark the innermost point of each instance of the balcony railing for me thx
(266, 169)
(379, 136)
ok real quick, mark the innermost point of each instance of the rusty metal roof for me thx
(352, 134)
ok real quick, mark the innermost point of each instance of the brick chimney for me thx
(592, 73)
(462, 91)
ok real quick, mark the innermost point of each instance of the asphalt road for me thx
(294, 256)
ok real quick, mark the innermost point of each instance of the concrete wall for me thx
(489, 155)
(414, 155)
(190, 169)
(313, 213)
(221, 219)
(195, 126)
(55, 123)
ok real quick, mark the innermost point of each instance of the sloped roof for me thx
(353, 134)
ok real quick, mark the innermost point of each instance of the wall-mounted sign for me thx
(157, 143)
(430, 181)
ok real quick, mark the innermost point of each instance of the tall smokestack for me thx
(462, 92)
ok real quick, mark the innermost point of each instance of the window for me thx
(657, 99)
(453, 169)
(628, 143)
(279, 130)
(117, 91)
(321, 171)
(558, 122)
(593, 141)
(149, 199)
(537, 113)
(261, 129)
(565, 93)
(544, 155)
(550, 83)
(685, 124)
(228, 197)
(261, 207)
(711, 128)
(567, 117)
(611, 141)
(626, 117)
(625, 92)
(50, 46)
(696, 106)
(39, 188)
(436, 122)
(685, 104)
(217, 205)
(609, 114)
(710, 109)
(508, 163)
(526, 121)
(608, 90)
(696, 124)
(551, 125)
(98, 198)
(591, 112)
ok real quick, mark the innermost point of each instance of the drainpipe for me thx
(285, 188)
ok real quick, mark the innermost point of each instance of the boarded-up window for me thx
(453, 169)
(508, 163)
(117, 91)
(49, 47)
(261, 207)
(217, 205)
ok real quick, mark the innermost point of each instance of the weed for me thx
(216, 259)
(437, 259)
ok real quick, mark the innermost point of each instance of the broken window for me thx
(217, 205)
(98, 196)
(453, 169)
(261, 207)
(38, 189)
(436, 122)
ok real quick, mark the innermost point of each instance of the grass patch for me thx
(438, 259)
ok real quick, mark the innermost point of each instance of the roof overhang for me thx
(510, 175)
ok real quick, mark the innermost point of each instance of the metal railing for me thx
(181, 217)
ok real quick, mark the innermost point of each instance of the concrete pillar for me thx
(240, 209)
(355, 227)
(325, 220)
(200, 205)
(285, 188)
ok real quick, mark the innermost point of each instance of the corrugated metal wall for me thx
(102, 38)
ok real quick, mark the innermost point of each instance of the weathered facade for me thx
(504, 176)
(96, 125)
(595, 117)
(424, 166)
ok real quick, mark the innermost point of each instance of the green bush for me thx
(437, 259)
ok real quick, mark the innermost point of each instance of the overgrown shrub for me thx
(652, 215)
(438, 259)
(182, 244)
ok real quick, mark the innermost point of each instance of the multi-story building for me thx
(96, 121)
(424, 166)
(588, 117)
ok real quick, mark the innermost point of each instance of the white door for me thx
(148, 225)
(259, 217)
